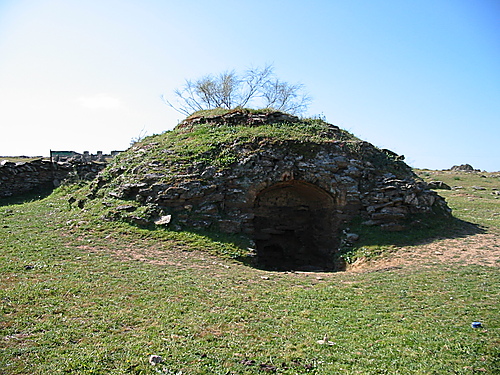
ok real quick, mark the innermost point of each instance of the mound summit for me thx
(290, 185)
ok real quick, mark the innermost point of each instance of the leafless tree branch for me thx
(228, 90)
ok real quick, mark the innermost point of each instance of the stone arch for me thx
(295, 227)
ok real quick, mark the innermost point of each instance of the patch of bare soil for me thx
(159, 255)
(481, 249)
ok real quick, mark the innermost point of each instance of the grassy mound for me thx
(213, 144)
(214, 140)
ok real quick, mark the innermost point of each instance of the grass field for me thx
(84, 296)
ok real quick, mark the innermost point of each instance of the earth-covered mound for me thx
(291, 185)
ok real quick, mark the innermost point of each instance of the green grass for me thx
(208, 144)
(85, 296)
(467, 201)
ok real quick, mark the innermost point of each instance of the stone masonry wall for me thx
(203, 197)
(37, 175)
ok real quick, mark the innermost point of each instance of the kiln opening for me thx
(294, 227)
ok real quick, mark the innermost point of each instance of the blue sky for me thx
(421, 78)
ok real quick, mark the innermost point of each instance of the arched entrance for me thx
(294, 227)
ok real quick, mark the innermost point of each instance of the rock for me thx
(126, 207)
(164, 220)
(352, 237)
(393, 155)
(155, 359)
(209, 172)
(438, 185)
(137, 220)
(463, 168)
(115, 194)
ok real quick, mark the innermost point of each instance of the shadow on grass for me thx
(26, 197)
(233, 246)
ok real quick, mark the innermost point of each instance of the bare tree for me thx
(255, 80)
(228, 90)
(285, 97)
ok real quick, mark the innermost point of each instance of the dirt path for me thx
(482, 249)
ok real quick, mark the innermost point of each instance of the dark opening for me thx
(294, 227)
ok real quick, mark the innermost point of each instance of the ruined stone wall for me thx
(25, 177)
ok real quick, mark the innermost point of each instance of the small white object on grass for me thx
(325, 341)
(155, 359)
